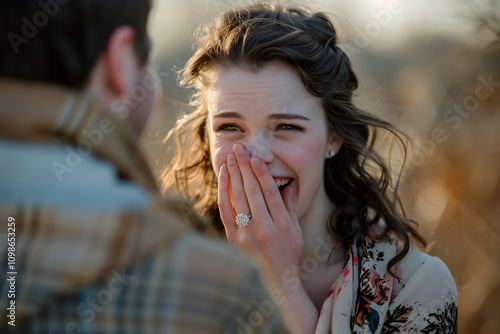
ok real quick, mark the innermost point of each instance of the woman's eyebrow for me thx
(228, 114)
(289, 116)
(234, 114)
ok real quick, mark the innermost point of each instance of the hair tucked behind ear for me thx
(357, 180)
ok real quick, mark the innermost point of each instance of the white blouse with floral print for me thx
(366, 298)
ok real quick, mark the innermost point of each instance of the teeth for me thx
(280, 183)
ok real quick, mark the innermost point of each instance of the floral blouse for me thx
(365, 298)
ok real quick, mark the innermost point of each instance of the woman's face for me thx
(279, 121)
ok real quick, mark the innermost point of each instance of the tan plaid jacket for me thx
(96, 250)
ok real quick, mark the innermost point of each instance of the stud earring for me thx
(332, 153)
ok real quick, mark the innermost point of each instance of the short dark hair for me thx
(59, 41)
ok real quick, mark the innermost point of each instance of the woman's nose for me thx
(260, 146)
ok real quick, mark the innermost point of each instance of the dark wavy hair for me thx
(357, 181)
(60, 41)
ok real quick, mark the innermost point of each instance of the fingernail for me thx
(239, 149)
(231, 160)
(255, 162)
(223, 169)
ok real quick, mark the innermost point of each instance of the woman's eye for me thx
(229, 127)
(286, 127)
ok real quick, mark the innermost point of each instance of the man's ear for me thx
(334, 144)
(120, 60)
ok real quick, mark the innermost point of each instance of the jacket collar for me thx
(45, 113)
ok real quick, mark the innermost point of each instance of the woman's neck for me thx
(323, 257)
(314, 226)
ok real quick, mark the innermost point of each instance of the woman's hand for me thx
(273, 236)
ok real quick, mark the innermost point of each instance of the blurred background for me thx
(433, 69)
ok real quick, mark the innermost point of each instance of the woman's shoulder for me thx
(426, 281)
(417, 265)
(425, 295)
(421, 292)
(419, 275)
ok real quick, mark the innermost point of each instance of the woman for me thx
(284, 163)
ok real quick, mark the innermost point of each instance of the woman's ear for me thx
(120, 60)
(334, 144)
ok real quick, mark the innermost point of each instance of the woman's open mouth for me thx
(283, 183)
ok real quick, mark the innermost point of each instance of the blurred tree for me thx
(457, 182)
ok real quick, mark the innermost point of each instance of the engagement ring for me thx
(242, 220)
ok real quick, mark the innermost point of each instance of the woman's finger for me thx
(224, 199)
(238, 194)
(253, 191)
(272, 196)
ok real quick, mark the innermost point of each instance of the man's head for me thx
(99, 46)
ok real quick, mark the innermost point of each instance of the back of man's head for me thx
(59, 41)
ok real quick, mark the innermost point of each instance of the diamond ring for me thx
(242, 220)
